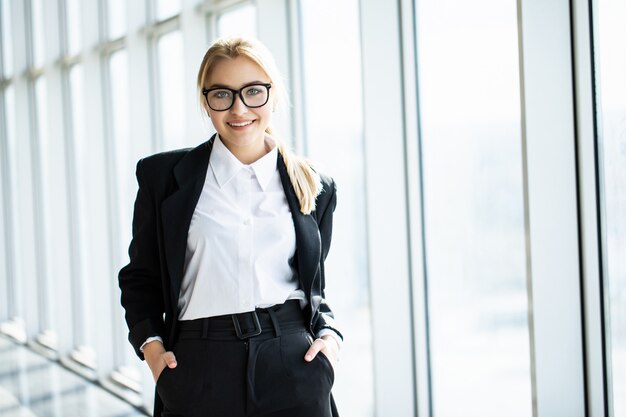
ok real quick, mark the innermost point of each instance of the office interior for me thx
(479, 149)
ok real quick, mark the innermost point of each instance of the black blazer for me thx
(170, 184)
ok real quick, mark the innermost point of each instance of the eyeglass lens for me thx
(252, 96)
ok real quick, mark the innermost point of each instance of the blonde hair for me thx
(305, 181)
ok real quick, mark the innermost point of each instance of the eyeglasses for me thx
(251, 95)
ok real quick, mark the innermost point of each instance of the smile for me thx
(240, 124)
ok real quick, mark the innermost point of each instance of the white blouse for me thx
(240, 239)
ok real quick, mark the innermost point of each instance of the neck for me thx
(250, 153)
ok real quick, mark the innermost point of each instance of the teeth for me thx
(240, 124)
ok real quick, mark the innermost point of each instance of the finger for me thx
(331, 342)
(317, 345)
(170, 359)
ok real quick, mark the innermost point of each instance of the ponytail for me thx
(305, 181)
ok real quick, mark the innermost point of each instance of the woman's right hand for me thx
(157, 358)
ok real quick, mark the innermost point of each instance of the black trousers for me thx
(247, 365)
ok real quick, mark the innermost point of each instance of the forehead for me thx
(236, 72)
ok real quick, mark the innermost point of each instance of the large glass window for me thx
(333, 118)
(167, 8)
(4, 291)
(171, 90)
(44, 195)
(9, 193)
(116, 18)
(37, 27)
(83, 313)
(469, 93)
(238, 21)
(118, 67)
(7, 45)
(611, 124)
(72, 10)
(124, 193)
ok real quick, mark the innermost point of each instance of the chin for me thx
(241, 139)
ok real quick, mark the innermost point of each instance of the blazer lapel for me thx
(177, 210)
(308, 241)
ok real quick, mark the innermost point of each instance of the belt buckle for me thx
(254, 332)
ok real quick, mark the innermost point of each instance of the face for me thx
(242, 129)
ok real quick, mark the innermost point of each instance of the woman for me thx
(224, 291)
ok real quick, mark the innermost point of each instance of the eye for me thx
(221, 94)
(253, 91)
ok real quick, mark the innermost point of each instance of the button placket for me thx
(245, 240)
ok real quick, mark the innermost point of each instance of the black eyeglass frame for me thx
(206, 91)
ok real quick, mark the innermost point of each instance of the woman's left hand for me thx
(325, 344)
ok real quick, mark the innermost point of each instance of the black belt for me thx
(245, 325)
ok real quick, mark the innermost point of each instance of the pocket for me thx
(180, 388)
(326, 360)
(321, 357)
(160, 377)
(319, 369)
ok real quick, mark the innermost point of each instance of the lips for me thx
(240, 123)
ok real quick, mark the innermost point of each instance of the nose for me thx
(238, 106)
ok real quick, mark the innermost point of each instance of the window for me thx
(473, 207)
(167, 8)
(238, 21)
(44, 195)
(611, 125)
(10, 187)
(171, 90)
(7, 178)
(118, 66)
(73, 19)
(333, 130)
(7, 45)
(37, 28)
(82, 313)
(116, 18)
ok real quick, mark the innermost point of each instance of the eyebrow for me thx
(243, 85)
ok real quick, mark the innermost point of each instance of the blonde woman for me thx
(224, 291)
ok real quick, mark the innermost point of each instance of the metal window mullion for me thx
(151, 11)
(63, 33)
(551, 212)
(599, 402)
(415, 195)
(2, 12)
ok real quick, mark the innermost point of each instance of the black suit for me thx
(170, 184)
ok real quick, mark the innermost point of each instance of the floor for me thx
(31, 385)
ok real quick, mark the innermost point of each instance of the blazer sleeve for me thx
(140, 280)
(326, 319)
